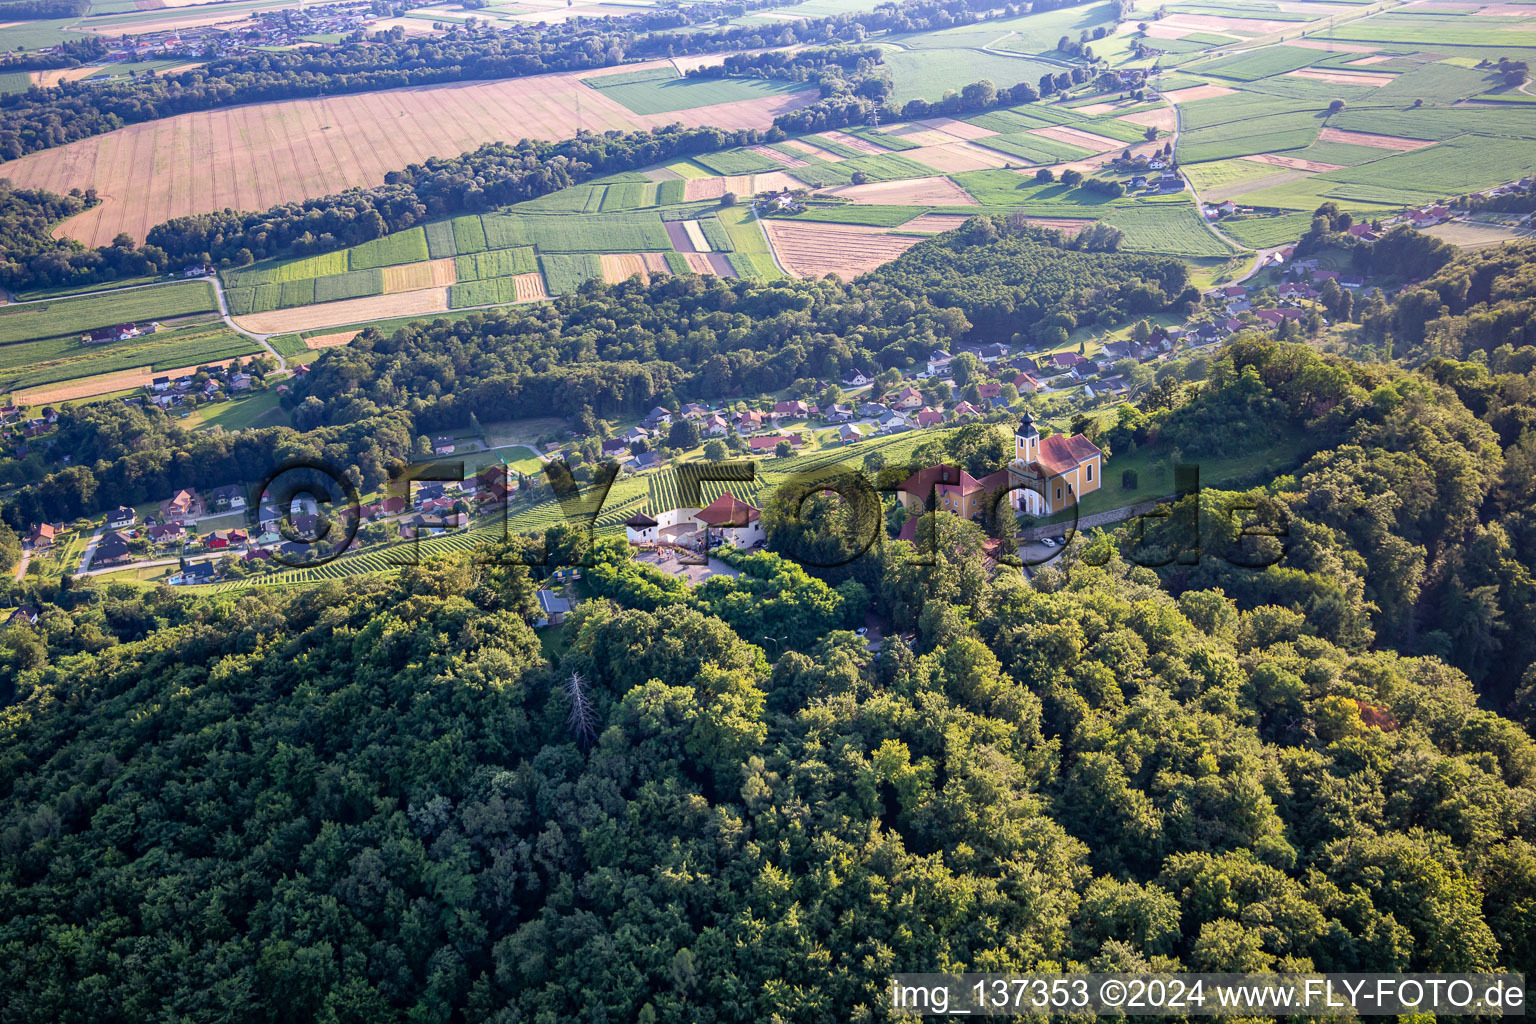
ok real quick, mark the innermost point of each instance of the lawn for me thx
(259, 410)
(57, 317)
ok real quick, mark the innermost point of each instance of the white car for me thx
(1048, 542)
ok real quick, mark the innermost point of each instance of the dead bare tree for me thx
(581, 721)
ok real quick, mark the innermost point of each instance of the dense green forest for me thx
(381, 801)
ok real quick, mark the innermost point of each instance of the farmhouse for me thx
(1050, 474)
(552, 609)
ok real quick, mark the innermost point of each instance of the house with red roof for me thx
(930, 417)
(730, 520)
(949, 489)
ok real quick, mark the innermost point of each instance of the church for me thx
(1052, 473)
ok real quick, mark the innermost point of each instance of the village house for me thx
(220, 539)
(167, 533)
(790, 410)
(927, 417)
(23, 616)
(1052, 473)
(121, 517)
(714, 426)
(184, 504)
(229, 498)
(939, 361)
(442, 446)
(43, 535)
(907, 399)
(552, 609)
(111, 549)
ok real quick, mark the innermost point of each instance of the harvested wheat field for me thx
(1369, 139)
(741, 184)
(1294, 163)
(1163, 118)
(854, 142)
(959, 129)
(336, 340)
(954, 157)
(1066, 225)
(529, 288)
(811, 150)
(779, 158)
(347, 311)
(622, 266)
(920, 136)
(101, 384)
(936, 223)
(1078, 137)
(1198, 92)
(408, 277)
(935, 191)
(53, 76)
(1095, 109)
(256, 156)
(1228, 26)
(807, 249)
(715, 263)
(696, 240)
(1375, 78)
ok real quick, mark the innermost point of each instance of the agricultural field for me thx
(663, 91)
(57, 370)
(70, 316)
(255, 156)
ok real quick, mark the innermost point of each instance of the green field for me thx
(662, 92)
(495, 291)
(288, 270)
(1032, 149)
(1266, 232)
(440, 240)
(72, 316)
(409, 246)
(565, 272)
(738, 161)
(927, 74)
(880, 167)
(1221, 173)
(605, 232)
(495, 263)
(879, 138)
(752, 257)
(1439, 30)
(1175, 229)
(34, 364)
(14, 81)
(468, 234)
(1261, 63)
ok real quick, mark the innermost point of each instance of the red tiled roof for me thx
(944, 478)
(727, 510)
(1062, 454)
